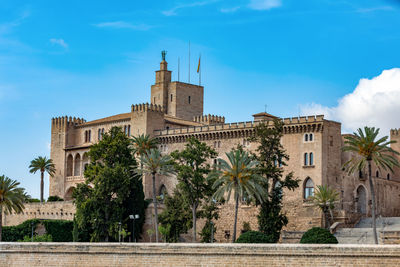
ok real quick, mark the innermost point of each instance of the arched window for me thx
(89, 135)
(69, 165)
(388, 176)
(311, 158)
(311, 137)
(163, 192)
(86, 136)
(99, 134)
(278, 187)
(377, 174)
(102, 133)
(305, 159)
(308, 188)
(306, 137)
(129, 130)
(360, 174)
(77, 168)
(85, 162)
(219, 144)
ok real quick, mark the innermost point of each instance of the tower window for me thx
(306, 137)
(377, 174)
(311, 137)
(311, 158)
(388, 176)
(171, 97)
(189, 99)
(305, 159)
(308, 188)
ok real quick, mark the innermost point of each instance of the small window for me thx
(215, 144)
(89, 135)
(129, 130)
(154, 100)
(308, 188)
(331, 140)
(311, 137)
(219, 144)
(163, 193)
(189, 99)
(306, 137)
(388, 176)
(305, 159)
(171, 97)
(311, 159)
(360, 174)
(377, 174)
(99, 134)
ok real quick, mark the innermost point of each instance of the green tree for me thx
(11, 198)
(43, 165)
(176, 216)
(112, 190)
(325, 198)
(369, 148)
(271, 158)
(239, 176)
(141, 144)
(154, 163)
(192, 169)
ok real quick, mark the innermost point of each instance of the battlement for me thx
(209, 119)
(394, 131)
(147, 107)
(66, 121)
(241, 125)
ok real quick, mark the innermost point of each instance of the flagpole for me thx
(199, 70)
(179, 69)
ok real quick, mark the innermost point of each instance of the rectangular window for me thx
(171, 97)
(189, 99)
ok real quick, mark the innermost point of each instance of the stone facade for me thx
(176, 113)
(152, 254)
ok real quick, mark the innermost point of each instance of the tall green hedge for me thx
(17, 232)
(59, 230)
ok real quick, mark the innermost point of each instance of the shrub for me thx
(32, 200)
(37, 238)
(317, 235)
(254, 237)
(54, 198)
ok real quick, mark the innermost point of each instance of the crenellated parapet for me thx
(394, 132)
(65, 122)
(147, 107)
(209, 119)
(238, 129)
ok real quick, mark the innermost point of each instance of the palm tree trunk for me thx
(1, 223)
(371, 187)
(194, 221)
(41, 186)
(236, 214)
(155, 206)
(326, 219)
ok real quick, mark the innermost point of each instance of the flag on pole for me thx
(198, 66)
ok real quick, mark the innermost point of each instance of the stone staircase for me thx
(387, 227)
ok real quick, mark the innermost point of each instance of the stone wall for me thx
(61, 210)
(106, 254)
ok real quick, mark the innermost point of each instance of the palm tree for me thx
(11, 198)
(325, 198)
(239, 176)
(154, 163)
(370, 149)
(43, 165)
(142, 144)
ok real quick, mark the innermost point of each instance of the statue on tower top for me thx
(163, 53)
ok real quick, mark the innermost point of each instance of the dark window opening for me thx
(189, 99)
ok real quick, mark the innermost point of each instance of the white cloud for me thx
(373, 9)
(374, 102)
(230, 9)
(59, 42)
(264, 4)
(123, 25)
(173, 11)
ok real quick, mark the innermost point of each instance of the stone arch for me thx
(361, 199)
(77, 165)
(308, 188)
(85, 162)
(68, 193)
(70, 163)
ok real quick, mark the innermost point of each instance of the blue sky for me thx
(95, 58)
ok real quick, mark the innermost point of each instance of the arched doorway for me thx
(361, 200)
(69, 165)
(68, 194)
(77, 170)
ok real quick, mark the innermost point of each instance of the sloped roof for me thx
(172, 119)
(264, 114)
(118, 117)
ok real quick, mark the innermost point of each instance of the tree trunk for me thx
(1, 223)
(41, 186)
(194, 206)
(371, 187)
(326, 219)
(236, 213)
(155, 206)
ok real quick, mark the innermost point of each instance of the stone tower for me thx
(178, 99)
